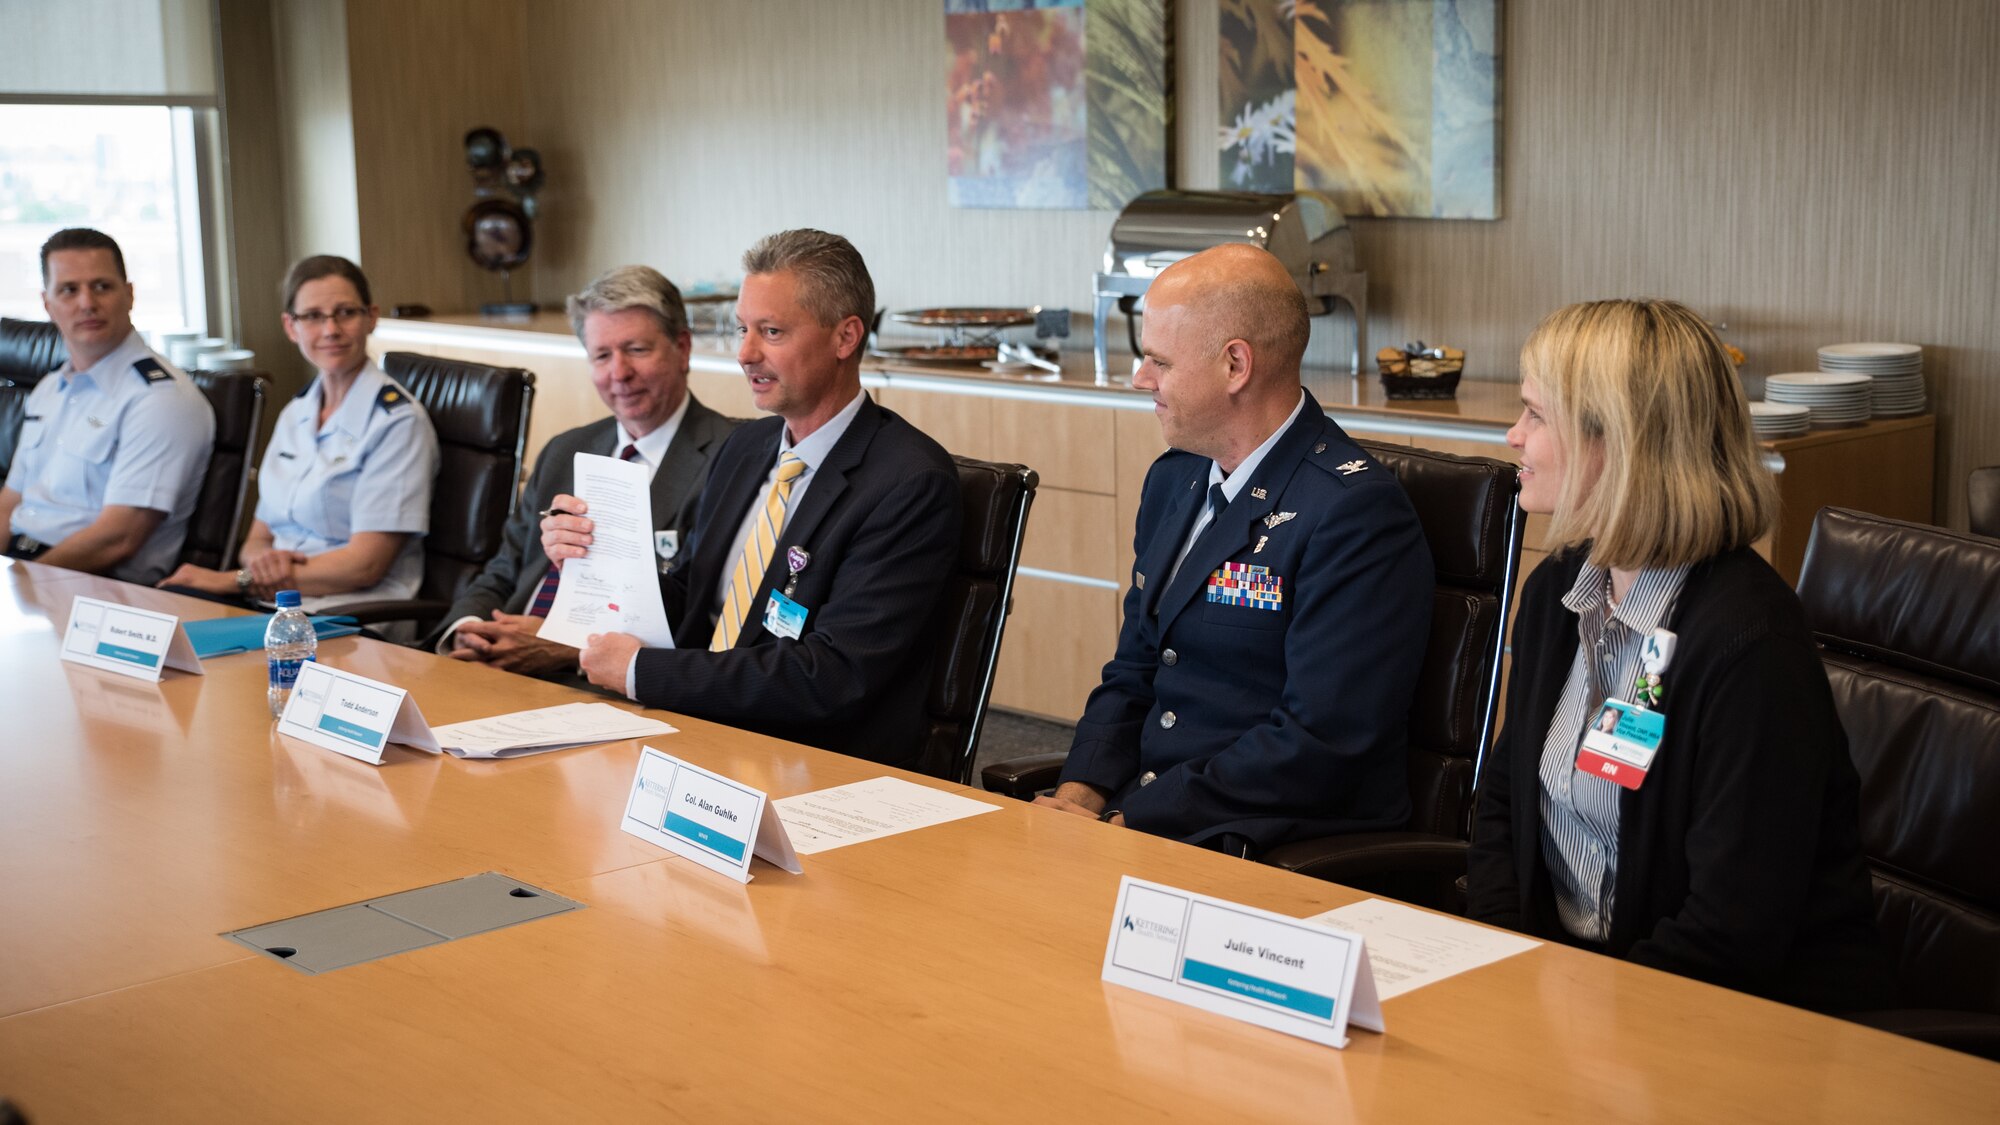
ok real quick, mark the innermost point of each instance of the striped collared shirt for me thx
(1580, 810)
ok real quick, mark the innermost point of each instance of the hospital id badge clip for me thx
(1650, 686)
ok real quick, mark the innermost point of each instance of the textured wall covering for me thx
(1808, 171)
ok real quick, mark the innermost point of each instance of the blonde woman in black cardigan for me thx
(1712, 830)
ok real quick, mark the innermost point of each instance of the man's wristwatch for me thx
(243, 582)
(1107, 814)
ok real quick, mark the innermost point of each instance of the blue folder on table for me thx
(220, 636)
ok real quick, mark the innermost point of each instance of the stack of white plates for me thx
(235, 359)
(187, 354)
(1835, 398)
(1898, 370)
(1779, 420)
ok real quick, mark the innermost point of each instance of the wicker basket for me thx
(1421, 386)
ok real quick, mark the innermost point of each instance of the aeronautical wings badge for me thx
(1276, 518)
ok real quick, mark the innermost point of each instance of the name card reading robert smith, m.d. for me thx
(1241, 962)
(353, 715)
(131, 642)
(706, 817)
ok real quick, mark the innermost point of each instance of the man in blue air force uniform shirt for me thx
(114, 443)
(1280, 601)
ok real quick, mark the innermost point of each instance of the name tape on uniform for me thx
(1238, 961)
(131, 642)
(705, 817)
(353, 715)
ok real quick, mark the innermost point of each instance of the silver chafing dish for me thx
(1305, 231)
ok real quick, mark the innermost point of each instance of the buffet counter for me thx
(1092, 444)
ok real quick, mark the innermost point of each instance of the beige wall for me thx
(253, 131)
(1808, 171)
(322, 215)
(375, 99)
(422, 75)
(678, 133)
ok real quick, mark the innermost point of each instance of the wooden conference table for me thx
(946, 973)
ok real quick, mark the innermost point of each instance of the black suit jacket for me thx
(1739, 858)
(880, 522)
(1270, 723)
(512, 576)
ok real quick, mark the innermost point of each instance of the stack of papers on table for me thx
(1410, 948)
(540, 731)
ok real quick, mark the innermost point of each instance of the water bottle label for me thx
(284, 673)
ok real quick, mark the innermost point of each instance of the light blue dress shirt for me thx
(370, 468)
(131, 431)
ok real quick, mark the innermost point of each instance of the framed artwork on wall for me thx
(1055, 103)
(1391, 107)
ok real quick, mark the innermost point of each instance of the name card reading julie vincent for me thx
(139, 643)
(353, 715)
(1238, 961)
(705, 817)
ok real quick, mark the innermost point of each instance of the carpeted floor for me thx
(1009, 734)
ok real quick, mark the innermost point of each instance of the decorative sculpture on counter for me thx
(499, 231)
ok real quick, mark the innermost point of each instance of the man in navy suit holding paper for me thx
(1280, 601)
(802, 603)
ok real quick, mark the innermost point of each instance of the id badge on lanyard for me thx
(1624, 735)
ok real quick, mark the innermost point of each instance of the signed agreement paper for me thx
(616, 588)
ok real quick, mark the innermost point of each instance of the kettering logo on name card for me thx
(1149, 936)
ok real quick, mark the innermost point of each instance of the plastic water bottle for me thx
(289, 641)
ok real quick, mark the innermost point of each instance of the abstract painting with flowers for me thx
(1391, 107)
(1055, 103)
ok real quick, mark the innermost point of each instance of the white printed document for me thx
(131, 642)
(1238, 961)
(616, 588)
(869, 810)
(1411, 948)
(522, 733)
(353, 715)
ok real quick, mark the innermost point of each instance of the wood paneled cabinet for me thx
(1092, 451)
(1077, 550)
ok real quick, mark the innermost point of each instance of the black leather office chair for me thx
(481, 416)
(1982, 501)
(29, 349)
(1473, 526)
(215, 530)
(973, 617)
(1908, 619)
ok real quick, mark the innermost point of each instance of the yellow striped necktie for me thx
(756, 556)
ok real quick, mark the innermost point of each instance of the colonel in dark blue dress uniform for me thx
(1280, 601)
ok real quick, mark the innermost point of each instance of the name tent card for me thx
(353, 715)
(131, 642)
(1238, 961)
(705, 817)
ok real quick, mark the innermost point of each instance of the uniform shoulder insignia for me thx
(150, 370)
(1349, 468)
(391, 398)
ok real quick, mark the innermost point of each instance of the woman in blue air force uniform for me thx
(344, 491)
